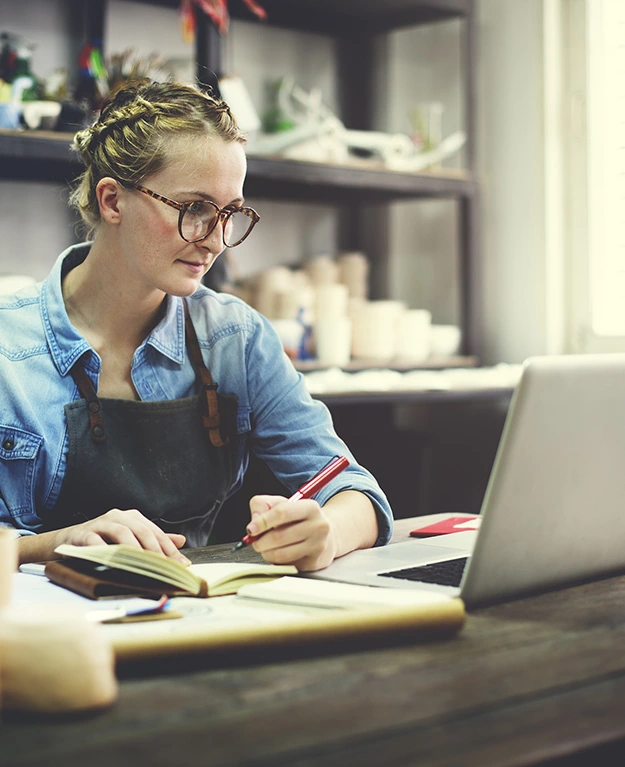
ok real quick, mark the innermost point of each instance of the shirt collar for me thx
(65, 342)
(168, 337)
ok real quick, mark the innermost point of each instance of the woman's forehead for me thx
(206, 164)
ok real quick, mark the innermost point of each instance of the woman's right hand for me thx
(128, 526)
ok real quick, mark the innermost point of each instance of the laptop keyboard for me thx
(447, 573)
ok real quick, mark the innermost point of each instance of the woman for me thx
(131, 394)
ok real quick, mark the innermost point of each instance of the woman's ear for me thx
(107, 194)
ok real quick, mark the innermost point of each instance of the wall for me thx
(514, 294)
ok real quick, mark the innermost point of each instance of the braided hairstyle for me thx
(130, 139)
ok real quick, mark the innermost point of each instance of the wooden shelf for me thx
(433, 397)
(44, 155)
(37, 156)
(356, 366)
(340, 18)
(350, 17)
(294, 179)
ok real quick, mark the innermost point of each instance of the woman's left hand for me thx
(292, 532)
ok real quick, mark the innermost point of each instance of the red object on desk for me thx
(460, 524)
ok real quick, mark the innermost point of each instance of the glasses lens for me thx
(198, 221)
(237, 227)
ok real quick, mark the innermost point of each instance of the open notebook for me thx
(554, 509)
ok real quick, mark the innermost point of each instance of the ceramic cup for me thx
(375, 329)
(413, 336)
(322, 270)
(8, 563)
(333, 341)
(331, 301)
(354, 272)
(445, 340)
(54, 660)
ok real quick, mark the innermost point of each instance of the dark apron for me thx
(173, 460)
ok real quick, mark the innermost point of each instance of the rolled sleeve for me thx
(294, 433)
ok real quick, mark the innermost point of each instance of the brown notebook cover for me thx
(98, 581)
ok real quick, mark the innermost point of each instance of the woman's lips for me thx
(193, 267)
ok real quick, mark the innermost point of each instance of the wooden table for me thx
(524, 683)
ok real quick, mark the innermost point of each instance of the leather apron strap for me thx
(210, 417)
(85, 387)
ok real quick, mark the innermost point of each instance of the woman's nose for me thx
(214, 243)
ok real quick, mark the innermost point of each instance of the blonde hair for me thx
(130, 139)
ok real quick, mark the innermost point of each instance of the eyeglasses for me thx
(199, 218)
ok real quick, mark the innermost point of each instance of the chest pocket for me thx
(18, 455)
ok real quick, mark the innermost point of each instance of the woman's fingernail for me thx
(184, 560)
(253, 528)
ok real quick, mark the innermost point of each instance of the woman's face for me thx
(151, 247)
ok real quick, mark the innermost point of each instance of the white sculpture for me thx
(318, 135)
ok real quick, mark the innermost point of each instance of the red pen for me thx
(307, 490)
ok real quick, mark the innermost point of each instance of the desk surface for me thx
(524, 683)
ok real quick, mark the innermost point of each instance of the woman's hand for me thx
(129, 527)
(303, 534)
(292, 532)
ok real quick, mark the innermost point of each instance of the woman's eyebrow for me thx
(203, 195)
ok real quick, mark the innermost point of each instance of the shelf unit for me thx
(401, 456)
(362, 194)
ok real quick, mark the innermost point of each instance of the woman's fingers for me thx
(291, 532)
(131, 528)
(177, 539)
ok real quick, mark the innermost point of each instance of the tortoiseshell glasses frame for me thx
(198, 218)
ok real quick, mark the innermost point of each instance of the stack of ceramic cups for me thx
(296, 299)
(354, 273)
(375, 329)
(333, 326)
(322, 270)
(270, 285)
(286, 298)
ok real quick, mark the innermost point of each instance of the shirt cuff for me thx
(18, 533)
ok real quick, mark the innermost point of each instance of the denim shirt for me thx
(277, 418)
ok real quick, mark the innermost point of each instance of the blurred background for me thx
(453, 200)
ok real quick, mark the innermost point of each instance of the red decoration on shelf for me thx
(217, 12)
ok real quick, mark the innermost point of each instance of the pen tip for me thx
(238, 546)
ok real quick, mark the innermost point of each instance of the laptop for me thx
(554, 509)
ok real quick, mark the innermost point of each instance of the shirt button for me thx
(8, 444)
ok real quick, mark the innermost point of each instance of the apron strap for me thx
(83, 382)
(210, 419)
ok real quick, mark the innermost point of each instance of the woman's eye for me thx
(196, 208)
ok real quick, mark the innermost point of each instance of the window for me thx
(596, 167)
